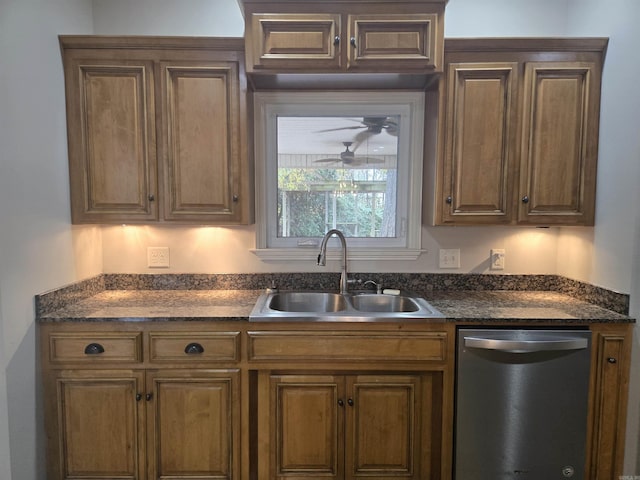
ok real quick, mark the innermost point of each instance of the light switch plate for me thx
(449, 258)
(158, 257)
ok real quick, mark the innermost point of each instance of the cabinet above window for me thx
(315, 44)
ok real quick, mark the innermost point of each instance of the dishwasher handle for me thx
(526, 346)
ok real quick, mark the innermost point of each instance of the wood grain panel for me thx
(200, 115)
(118, 347)
(194, 423)
(307, 426)
(403, 42)
(610, 404)
(558, 123)
(383, 426)
(310, 346)
(171, 346)
(112, 150)
(295, 41)
(479, 150)
(92, 444)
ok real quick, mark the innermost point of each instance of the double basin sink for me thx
(347, 307)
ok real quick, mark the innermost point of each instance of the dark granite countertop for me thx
(215, 305)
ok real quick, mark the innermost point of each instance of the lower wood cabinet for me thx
(349, 426)
(224, 400)
(101, 427)
(609, 392)
(147, 424)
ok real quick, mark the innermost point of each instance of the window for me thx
(345, 160)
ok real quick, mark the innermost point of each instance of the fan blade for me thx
(361, 137)
(341, 128)
(327, 160)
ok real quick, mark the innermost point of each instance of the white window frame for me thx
(409, 105)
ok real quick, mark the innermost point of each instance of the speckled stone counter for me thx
(151, 298)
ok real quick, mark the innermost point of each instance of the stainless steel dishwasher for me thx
(521, 404)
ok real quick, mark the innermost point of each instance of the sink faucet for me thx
(322, 260)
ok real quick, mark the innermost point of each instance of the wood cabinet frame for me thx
(518, 132)
(294, 44)
(149, 357)
(157, 130)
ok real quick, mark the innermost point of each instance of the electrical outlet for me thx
(450, 258)
(497, 259)
(158, 257)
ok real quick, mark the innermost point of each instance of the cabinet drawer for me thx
(95, 347)
(298, 345)
(295, 41)
(194, 346)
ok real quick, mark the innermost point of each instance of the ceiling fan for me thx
(372, 125)
(348, 158)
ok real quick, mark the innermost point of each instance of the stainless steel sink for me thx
(384, 303)
(307, 302)
(348, 307)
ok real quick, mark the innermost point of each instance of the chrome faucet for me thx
(322, 260)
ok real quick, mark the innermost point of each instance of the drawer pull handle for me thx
(193, 349)
(93, 349)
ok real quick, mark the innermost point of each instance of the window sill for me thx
(311, 254)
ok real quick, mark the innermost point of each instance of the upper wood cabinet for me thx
(519, 131)
(157, 130)
(365, 36)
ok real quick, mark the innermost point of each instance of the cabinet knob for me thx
(353, 42)
(138, 397)
(449, 200)
(93, 349)
(148, 397)
(612, 360)
(525, 199)
(235, 198)
(350, 402)
(152, 197)
(336, 40)
(193, 349)
(341, 402)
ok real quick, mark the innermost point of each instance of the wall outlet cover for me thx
(158, 257)
(497, 259)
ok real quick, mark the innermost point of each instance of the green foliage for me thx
(308, 200)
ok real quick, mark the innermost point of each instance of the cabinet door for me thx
(612, 358)
(201, 146)
(306, 426)
(111, 133)
(383, 427)
(393, 42)
(305, 41)
(559, 143)
(479, 154)
(100, 425)
(194, 424)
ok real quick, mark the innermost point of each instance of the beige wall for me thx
(39, 249)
